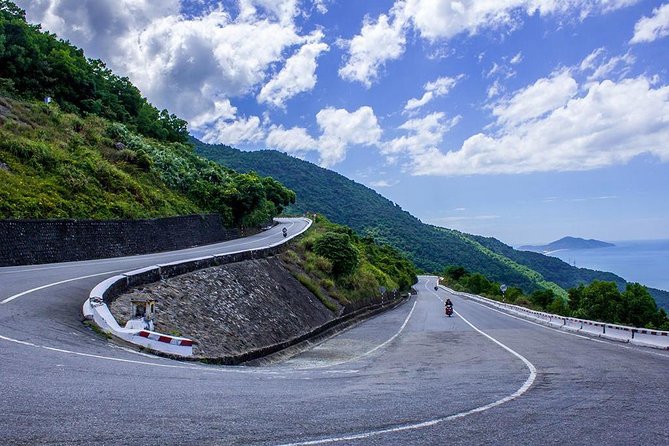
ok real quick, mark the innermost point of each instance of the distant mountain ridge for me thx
(568, 243)
(430, 247)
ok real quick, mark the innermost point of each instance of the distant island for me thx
(568, 243)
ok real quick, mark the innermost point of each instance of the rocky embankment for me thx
(233, 308)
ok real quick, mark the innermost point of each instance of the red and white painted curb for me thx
(166, 339)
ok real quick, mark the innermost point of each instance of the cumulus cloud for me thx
(339, 130)
(383, 39)
(423, 136)
(440, 87)
(298, 74)
(234, 131)
(378, 42)
(295, 140)
(648, 29)
(611, 124)
(543, 96)
(192, 65)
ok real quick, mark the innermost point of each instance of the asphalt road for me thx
(409, 376)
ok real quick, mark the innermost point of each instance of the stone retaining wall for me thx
(25, 242)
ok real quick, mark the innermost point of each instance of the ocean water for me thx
(643, 261)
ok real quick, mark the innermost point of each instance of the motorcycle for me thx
(285, 232)
(449, 310)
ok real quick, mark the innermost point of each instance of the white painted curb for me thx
(619, 333)
(95, 309)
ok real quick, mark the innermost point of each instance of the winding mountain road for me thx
(408, 376)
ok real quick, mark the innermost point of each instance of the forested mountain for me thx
(99, 149)
(568, 243)
(430, 247)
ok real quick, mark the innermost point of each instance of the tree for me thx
(543, 298)
(337, 248)
(637, 307)
(456, 272)
(600, 301)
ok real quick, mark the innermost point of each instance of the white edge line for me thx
(15, 296)
(526, 385)
(568, 333)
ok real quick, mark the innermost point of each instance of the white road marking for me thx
(15, 296)
(184, 252)
(221, 369)
(408, 427)
(587, 338)
(369, 352)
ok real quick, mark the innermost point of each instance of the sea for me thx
(643, 261)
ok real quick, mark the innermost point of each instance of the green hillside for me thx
(430, 247)
(99, 149)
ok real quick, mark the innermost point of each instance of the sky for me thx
(525, 120)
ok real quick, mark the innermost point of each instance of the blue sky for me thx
(526, 120)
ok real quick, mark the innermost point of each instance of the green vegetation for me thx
(430, 247)
(598, 301)
(100, 150)
(60, 165)
(35, 64)
(337, 265)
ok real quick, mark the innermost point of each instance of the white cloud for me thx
(377, 43)
(293, 140)
(494, 89)
(382, 183)
(342, 128)
(423, 136)
(543, 96)
(440, 87)
(321, 6)
(232, 132)
(384, 39)
(339, 130)
(298, 74)
(189, 65)
(648, 29)
(611, 124)
(518, 58)
(254, 10)
(603, 68)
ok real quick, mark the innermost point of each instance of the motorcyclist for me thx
(448, 303)
(285, 232)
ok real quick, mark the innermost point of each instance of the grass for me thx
(316, 291)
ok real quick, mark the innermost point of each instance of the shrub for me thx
(337, 248)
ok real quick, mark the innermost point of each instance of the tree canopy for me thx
(35, 64)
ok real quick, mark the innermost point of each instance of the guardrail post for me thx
(633, 333)
(603, 329)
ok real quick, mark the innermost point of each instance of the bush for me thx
(337, 248)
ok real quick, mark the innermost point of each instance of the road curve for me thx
(409, 376)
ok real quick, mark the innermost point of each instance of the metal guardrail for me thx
(621, 333)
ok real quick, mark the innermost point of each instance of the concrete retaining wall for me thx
(96, 306)
(27, 242)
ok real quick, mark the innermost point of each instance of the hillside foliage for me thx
(61, 165)
(599, 301)
(35, 65)
(347, 267)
